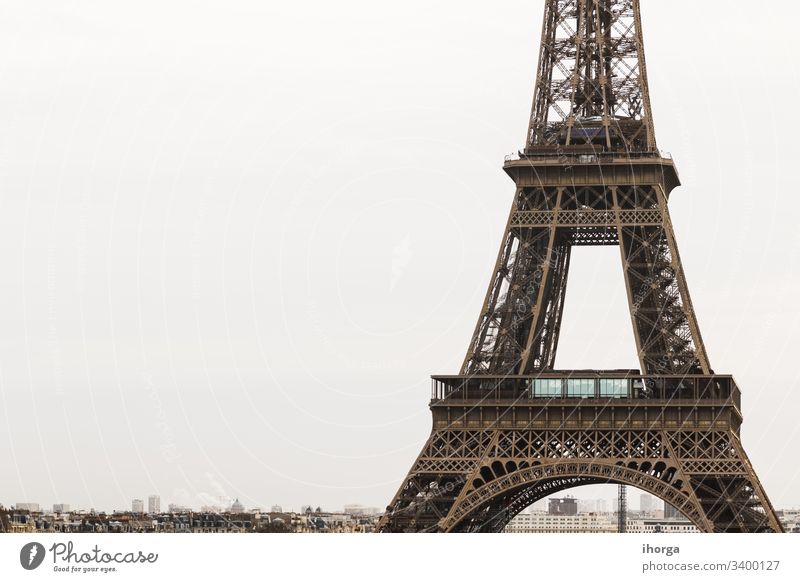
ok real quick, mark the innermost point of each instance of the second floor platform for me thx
(588, 398)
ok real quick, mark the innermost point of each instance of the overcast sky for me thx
(237, 237)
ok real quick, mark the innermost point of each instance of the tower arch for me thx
(490, 506)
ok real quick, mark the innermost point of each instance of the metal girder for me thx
(474, 480)
(590, 174)
(592, 82)
(519, 326)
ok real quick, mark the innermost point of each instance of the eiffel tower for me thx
(510, 429)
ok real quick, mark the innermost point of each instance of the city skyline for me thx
(558, 513)
(586, 496)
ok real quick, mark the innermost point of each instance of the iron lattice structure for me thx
(510, 429)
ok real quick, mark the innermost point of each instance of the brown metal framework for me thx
(510, 429)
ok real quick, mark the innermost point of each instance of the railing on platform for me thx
(589, 156)
(585, 385)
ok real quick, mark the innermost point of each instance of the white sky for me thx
(237, 237)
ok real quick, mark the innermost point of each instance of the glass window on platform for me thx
(614, 388)
(580, 388)
(547, 388)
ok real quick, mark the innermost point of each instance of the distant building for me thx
(219, 523)
(20, 520)
(562, 506)
(27, 506)
(237, 507)
(550, 523)
(359, 510)
(593, 523)
(328, 522)
(154, 504)
(137, 506)
(671, 512)
(645, 503)
(175, 508)
(790, 518)
(673, 525)
(61, 508)
(276, 509)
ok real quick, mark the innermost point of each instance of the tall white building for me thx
(154, 504)
(137, 506)
(61, 508)
(645, 503)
